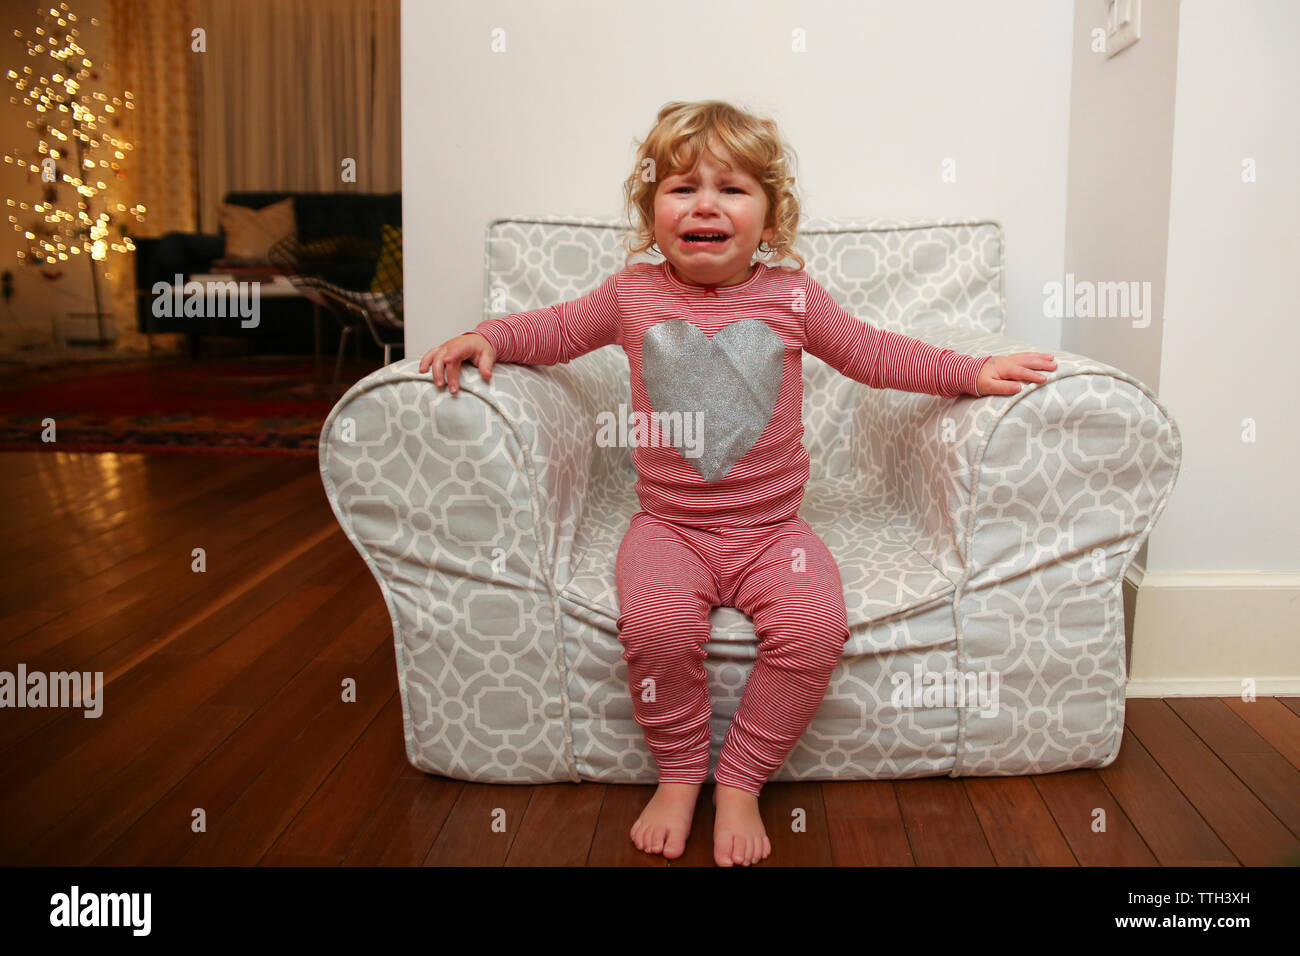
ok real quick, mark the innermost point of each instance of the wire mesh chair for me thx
(322, 270)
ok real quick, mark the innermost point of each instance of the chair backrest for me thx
(908, 276)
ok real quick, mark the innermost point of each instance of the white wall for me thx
(1117, 207)
(1232, 336)
(885, 92)
(1117, 198)
(1158, 136)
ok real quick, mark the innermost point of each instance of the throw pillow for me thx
(251, 232)
(388, 271)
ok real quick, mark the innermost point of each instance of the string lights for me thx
(76, 147)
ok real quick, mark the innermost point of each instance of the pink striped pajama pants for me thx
(670, 576)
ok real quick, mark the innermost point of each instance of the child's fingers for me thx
(444, 361)
(427, 360)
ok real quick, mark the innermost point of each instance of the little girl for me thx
(712, 332)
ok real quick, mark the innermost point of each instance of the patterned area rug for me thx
(244, 406)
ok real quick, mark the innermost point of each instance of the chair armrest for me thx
(465, 509)
(495, 476)
(987, 488)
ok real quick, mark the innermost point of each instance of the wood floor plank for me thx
(159, 762)
(94, 528)
(61, 485)
(1166, 820)
(116, 506)
(1273, 721)
(175, 592)
(168, 566)
(1290, 703)
(63, 625)
(794, 818)
(35, 501)
(152, 511)
(141, 562)
(1092, 821)
(1269, 775)
(241, 834)
(103, 815)
(18, 623)
(34, 804)
(322, 568)
(406, 824)
(1017, 823)
(942, 828)
(221, 779)
(1255, 836)
(612, 843)
(148, 624)
(334, 817)
(866, 824)
(481, 826)
(558, 825)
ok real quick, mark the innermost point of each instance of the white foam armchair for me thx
(975, 536)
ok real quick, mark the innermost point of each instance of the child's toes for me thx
(675, 845)
(656, 839)
(722, 851)
(740, 851)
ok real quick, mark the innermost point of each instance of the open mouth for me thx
(705, 238)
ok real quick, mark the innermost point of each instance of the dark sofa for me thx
(285, 325)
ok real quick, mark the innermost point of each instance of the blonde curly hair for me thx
(682, 134)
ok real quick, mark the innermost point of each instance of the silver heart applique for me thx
(733, 380)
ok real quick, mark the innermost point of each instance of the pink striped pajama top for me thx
(750, 381)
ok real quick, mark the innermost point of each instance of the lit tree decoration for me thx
(76, 149)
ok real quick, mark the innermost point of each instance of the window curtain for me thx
(153, 60)
(290, 89)
(149, 55)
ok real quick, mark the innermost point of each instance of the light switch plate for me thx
(1123, 25)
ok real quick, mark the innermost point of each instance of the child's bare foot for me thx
(665, 822)
(738, 834)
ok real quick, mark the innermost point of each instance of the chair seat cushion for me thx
(882, 574)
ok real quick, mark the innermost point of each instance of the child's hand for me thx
(451, 353)
(1000, 372)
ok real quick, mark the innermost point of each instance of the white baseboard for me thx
(1284, 687)
(1202, 634)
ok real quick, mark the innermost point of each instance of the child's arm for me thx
(558, 333)
(880, 358)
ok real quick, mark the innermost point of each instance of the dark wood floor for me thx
(223, 694)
